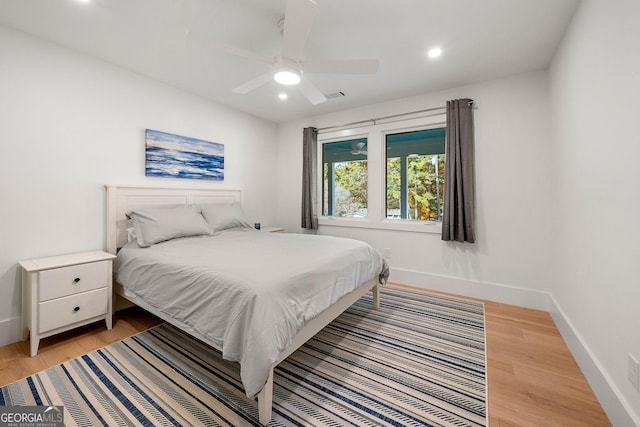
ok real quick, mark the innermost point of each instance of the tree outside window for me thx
(415, 164)
(415, 175)
(345, 183)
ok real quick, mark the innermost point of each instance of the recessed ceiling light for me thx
(434, 52)
(83, 1)
(287, 77)
(283, 96)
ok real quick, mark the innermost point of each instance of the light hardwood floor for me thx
(532, 378)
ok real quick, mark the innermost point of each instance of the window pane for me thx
(425, 187)
(393, 188)
(345, 178)
(415, 175)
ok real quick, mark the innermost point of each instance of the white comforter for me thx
(247, 293)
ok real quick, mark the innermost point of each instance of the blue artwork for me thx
(177, 156)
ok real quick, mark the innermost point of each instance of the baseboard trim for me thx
(490, 291)
(10, 331)
(619, 411)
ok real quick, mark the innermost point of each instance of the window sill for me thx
(386, 224)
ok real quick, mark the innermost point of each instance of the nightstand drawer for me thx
(60, 282)
(75, 308)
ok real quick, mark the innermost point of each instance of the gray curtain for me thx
(459, 184)
(309, 166)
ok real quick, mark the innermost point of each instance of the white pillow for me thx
(224, 216)
(154, 225)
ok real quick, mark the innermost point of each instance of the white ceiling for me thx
(481, 39)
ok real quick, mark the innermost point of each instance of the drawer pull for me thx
(76, 280)
(76, 309)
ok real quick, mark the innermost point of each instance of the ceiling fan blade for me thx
(342, 66)
(298, 19)
(311, 92)
(226, 48)
(253, 84)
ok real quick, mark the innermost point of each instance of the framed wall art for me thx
(175, 156)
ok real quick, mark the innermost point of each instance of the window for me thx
(415, 174)
(387, 175)
(344, 178)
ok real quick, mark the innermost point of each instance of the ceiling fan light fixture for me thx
(434, 52)
(287, 76)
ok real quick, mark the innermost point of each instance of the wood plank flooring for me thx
(532, 378)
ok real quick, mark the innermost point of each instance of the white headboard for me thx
(122, 199)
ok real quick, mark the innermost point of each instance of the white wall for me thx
(513, 138)
(595, 87)
(70, 124)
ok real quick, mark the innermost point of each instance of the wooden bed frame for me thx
(121, 199)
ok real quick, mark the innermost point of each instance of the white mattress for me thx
(247, 293)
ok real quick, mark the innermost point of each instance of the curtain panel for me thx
(309, 166)
(459, 186)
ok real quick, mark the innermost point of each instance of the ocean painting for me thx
(176, 156)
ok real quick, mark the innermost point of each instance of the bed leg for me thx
(265, 401)
(376, 297)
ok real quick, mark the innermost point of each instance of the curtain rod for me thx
(374, 120)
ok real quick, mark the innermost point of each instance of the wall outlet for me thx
(633, 372)
(387, 253)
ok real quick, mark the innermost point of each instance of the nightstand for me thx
(63, 292)
(272, 229)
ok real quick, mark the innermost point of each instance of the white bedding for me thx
(247, 292)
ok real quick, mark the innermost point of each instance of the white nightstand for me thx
(272, 229)
(63, 292)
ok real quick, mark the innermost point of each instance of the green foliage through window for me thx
(415, 163)
(345, 183)
(415, 175)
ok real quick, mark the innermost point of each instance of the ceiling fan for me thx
(358, 148)
(288, 67)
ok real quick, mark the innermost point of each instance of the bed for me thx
(253, 295)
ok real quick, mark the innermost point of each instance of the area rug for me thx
(418, 361)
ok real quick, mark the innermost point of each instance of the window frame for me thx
(330, 204)
(376, 174)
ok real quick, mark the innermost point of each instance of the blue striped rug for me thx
(418, 361)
